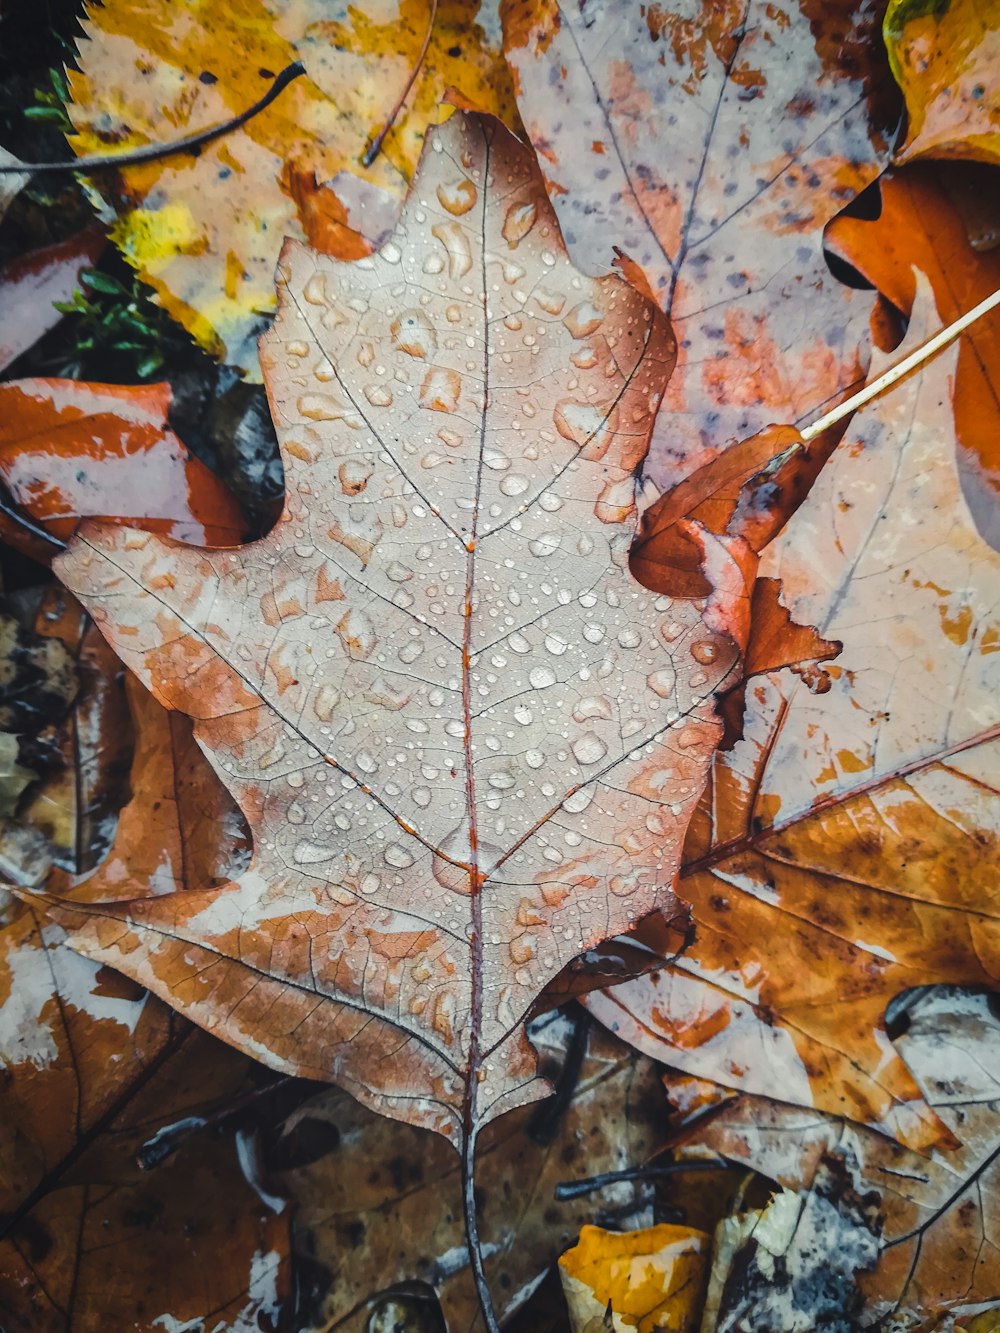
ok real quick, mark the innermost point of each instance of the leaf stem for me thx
(472, 1230)
(150, 152)
(895, 373)
(375, 147)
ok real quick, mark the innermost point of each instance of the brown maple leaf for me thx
(466, 741)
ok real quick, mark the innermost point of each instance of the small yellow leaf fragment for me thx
(652, 1280)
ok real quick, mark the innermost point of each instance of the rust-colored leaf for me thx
(466, 741)
(919, 229)
(31, 283)
(937, 1245)
(708, 145)
(945, 57)
(71, 450)
(205, 231)
(91, 1065)
(847, 845)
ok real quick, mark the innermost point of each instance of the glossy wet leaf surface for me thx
(945, 58)
(70, 450)
(466, 741)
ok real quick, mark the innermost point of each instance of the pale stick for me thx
(889, 377)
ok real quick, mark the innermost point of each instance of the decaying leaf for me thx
(31, 283)
(70, 449)
(90, 1064)
(846, 847)
(919, 229)
(381, 1205)
(649, 1280)
(945, 58)
(795, 1264)
(467, 743)
(937, 1236)
(86, 759)
(11, 183)
(205, 231)
(710, 144)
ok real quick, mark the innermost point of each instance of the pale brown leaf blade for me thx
(467, 742)
(709, 144)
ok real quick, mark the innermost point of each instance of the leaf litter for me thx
(706, 1015)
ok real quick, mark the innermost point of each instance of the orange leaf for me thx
(70, 450)
(846, 847)
(919, 228)
(945, 57)
(650, 1280)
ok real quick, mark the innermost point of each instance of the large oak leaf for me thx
(708, 145)
(846, 847)
(466, 741)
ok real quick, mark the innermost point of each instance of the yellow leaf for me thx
(653, 1280)
(205, 230)
(945, 58)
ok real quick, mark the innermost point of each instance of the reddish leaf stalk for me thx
(375, 146)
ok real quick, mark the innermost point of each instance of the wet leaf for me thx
(937, 1239)
(179, 829)
(709, 145)
(70, 450)
(919, 228)
(846, 845)
(30, 284)
(945, 58)
(91, 1064)
(205, 231)
(647, 1280)
(382, 1207)
(433, 644)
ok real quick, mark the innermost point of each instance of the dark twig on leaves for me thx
(151, 152)
(575, 1189)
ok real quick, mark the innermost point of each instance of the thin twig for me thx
(896, 372)
(575, 1189)
(9, 509)
(151, 152)
(375, 147)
